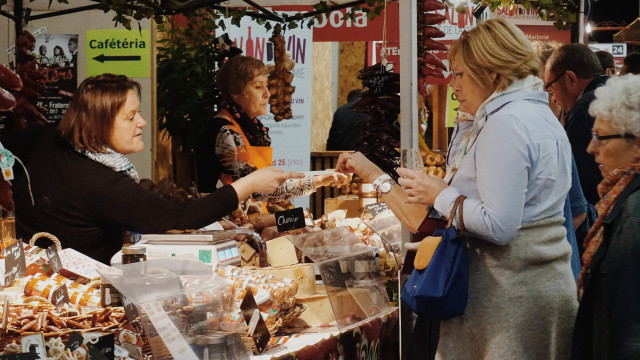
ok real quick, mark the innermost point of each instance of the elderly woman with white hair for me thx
(608, 322)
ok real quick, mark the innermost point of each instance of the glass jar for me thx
(109, 296)
(133, 254)
(266, 303)
(368, 195)
(214, 347)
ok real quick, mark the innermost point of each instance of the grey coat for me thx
(522, 299)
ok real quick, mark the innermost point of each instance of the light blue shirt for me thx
(460, 129)
(517, 171)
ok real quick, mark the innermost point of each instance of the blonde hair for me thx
(498, 47)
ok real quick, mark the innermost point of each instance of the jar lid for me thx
(134, 250)
(211, 339)
(261, 296)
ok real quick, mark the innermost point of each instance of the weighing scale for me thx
(211, 247)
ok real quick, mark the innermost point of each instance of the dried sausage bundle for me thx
(429, 65)
(280, 78)
(28, 87)
(380, 133)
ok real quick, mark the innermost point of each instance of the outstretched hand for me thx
(358, 164)
(420, 187)
(265, 180)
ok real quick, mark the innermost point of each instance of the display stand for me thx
(350, 274)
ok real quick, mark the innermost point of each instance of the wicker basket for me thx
(51, 237)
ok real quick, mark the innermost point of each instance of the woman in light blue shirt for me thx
(514, 166)
(516, 172)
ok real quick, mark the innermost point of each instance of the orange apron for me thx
(256, 156)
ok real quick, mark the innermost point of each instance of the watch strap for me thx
(379, 180)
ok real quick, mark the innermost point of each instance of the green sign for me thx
(116, 51)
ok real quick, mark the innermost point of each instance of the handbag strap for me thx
(460, 215)
(457, 206)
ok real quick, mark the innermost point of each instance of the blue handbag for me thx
(438, 287)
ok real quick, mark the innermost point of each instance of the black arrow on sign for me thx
(102, 58)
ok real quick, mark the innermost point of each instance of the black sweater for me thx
(88, 205)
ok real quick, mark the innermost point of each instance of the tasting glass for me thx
(411, 159)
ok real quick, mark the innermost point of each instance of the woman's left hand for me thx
(420, 187)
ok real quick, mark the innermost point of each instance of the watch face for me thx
(385, 187)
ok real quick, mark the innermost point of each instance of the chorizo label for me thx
(290, 219)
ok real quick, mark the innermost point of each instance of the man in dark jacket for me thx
(344, 132)
(572, 74)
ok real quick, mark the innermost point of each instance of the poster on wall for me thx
(58, 56)
(290, 138)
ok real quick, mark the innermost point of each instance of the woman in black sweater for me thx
(84, 190)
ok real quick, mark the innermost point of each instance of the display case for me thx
(350, 274)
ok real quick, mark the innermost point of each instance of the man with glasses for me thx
(571, 75)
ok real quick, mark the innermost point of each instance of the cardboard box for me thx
(348, 203)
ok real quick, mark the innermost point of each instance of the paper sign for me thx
(14, 265)
(103, 349)
(54, 259)
(377, 208)
(75, 341)
(257, 328)
(173, 340)
(290, 219)
(60, 296)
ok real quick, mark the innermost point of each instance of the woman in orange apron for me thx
(242, 144)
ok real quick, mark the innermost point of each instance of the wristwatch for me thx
(383, 184)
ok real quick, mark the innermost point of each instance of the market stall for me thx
(360, 323)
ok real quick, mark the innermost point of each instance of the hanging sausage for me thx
(280, 78)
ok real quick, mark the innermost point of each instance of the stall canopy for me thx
(162, 8)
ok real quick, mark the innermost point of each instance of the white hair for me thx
(618, 102)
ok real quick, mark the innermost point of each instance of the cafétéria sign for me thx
(119, 51)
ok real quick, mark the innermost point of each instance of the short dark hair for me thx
(354, 94)
(89, 120)
(234, 75)
(74, 40)
(577, 58)
(606, 59)
(632, 62)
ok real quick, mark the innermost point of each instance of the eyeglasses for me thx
(553, 81)
(597, 138)
(457, 75)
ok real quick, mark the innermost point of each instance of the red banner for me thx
(334, 27)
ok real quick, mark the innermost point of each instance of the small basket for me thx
(47, 235)
(248, 340)
(289, 316)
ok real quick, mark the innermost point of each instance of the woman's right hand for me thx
(265, 180)
(358, 164)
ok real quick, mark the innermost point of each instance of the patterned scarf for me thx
(609, 189)
(531, 82)
(256, 133)
(114, 160)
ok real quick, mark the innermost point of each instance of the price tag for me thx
(6, 164)
(23, 356)
(257, 328)
(172, 338)
(14, 263)
(290, 219)
(54, 259)
(378, 208)
(103, 348)
(75, 341)
(60, 296)
(131, 310)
